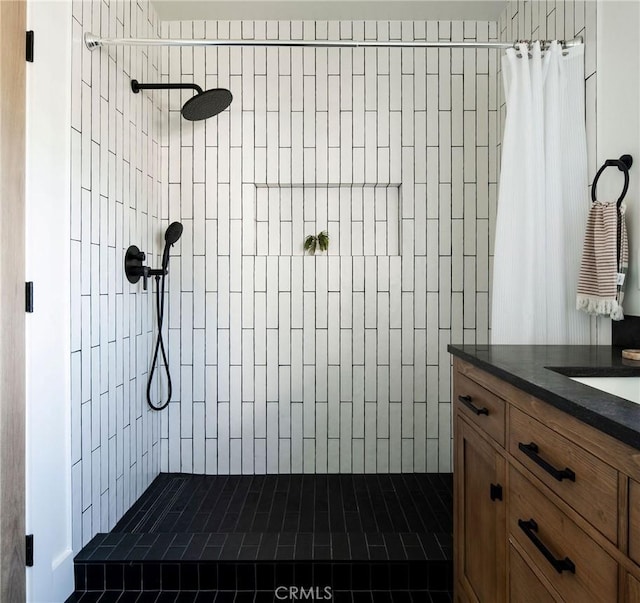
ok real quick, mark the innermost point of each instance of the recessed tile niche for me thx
(361, 219)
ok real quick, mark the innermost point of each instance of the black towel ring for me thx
(623, 164)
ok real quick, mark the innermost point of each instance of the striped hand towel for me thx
(604, 267)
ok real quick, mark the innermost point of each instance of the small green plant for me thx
(319, 242)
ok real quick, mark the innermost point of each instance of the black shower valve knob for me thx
(133, 267)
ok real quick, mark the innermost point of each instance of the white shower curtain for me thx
(543, 200)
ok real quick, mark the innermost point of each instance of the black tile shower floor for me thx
(227, 534)
(182, 503)
(256, 546)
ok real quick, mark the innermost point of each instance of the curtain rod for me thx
(92, 42)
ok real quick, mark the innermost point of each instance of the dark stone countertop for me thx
(544, 371)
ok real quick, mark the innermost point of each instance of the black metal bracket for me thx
(495, 492)
(28, 296)
(29, 48)
(28, 551)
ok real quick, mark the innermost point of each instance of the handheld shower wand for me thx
(171, 236)
(134, 270)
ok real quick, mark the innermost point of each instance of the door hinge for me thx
(29, 550)
(29, 52)
(28, 296)
(495, 492)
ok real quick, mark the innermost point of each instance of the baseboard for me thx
(60, 584)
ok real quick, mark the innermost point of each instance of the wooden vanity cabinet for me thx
(634, 520)
(546, 508)
(480, 517)
(479, 478)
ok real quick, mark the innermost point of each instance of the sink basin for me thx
(623, 387)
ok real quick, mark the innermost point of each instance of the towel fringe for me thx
(595, 306)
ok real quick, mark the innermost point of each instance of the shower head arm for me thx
(136, 86)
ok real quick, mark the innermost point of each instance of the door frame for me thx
(12, 300)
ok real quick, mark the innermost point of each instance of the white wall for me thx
(48, 483)
(338, 363)
(114, 203)
(618, 117)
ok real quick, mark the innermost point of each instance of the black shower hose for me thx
(159, 346)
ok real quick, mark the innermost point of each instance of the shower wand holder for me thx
(135, 269)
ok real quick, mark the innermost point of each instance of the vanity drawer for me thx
(634, 520)
(524, 585)
(581, 479)
(633, 589)
(480, 406)
(576, 567)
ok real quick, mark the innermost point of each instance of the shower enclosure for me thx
(310, 414)
(335, 362)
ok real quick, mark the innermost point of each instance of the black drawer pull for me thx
(531, 450)
(560, 565)
(467, 401)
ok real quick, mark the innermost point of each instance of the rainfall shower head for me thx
(207, 104)
(203, 105)
(171, 236)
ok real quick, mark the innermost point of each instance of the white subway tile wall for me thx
(337, 362)
(564, 20)
(115, 192)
